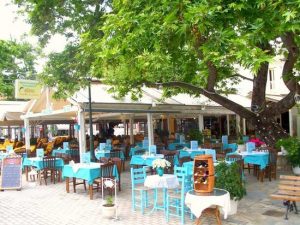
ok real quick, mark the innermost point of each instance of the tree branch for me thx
(260, 81)
(282, 106)
(241, 76)
(287, 71)
(233, 106)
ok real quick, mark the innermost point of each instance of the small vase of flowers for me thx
(160, 165)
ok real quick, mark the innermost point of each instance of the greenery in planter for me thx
(240, 142)
(195, 134)
(109, 202)
(228, 178)
(292, 146)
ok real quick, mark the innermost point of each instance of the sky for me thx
(13, 26)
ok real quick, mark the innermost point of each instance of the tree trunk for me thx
(268, 129)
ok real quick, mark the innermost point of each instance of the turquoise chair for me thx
(176, 198)
(138, 177)
(250, 146)
(211, 152)
(245, 139)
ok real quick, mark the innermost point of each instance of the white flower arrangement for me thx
(160, 163)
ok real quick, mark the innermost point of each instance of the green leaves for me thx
(17, 61)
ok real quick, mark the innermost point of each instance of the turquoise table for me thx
(85, 171)
(64, 151)
(175, 146)
(38, 162)
(190, 153)
(106, 153)
(257, 158)
(140, 160)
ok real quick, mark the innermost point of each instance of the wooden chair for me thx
(170, 158)
(271, 169)
(118, 154)
(106, 172)
(184, 159)
(289, 192)
(48, 169)
(118, 163)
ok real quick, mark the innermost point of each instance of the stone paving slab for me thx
(50, 205)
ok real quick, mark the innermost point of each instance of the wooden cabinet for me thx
(204, 175)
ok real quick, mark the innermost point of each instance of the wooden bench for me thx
(289, 192)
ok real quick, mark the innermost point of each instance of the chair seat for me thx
(175, 195)
(142, 188)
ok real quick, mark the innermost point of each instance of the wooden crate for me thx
(204, 175)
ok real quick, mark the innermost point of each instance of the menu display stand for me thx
(11, 173)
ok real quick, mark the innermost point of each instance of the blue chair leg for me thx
(142, 201)
(182, 212)
(133, 201)
(167, 209)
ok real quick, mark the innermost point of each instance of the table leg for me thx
(198, 221)
(91, 191)
(67, 184)
(26, 172)
(218, 217)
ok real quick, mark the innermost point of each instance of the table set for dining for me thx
(85, 171)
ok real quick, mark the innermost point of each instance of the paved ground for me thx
(51, 205)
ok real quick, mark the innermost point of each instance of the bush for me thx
(292, 146)
(228, 178)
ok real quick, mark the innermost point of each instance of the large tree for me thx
(196, 47)
(17, 61)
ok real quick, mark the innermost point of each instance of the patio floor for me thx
(39, 204)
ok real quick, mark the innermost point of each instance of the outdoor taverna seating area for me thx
(145, 162)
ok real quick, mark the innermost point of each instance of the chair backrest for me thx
(115, 154)
(211, 152)
(250, 146)
(107, 170)
(140, 152)
(137, 176)
(233, 157)
(184, 159)
(225, 139)
(245, 139)
(40, 152)
(118, 162)
(86, 157)
(49, 162)
(273, 156)
(183, 178)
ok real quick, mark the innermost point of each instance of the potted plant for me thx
(292, 147)
(229, 178)
(160, 165)
(109, 208)
(241, 145)
(195, 134)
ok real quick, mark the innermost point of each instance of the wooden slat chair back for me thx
(289, 192)
(48, 167)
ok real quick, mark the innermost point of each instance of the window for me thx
(272, 78)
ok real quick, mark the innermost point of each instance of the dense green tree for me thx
(17, 61)
(197, 46)
(184, 46)
(66, 70)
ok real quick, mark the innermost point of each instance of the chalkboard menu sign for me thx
(11, 171)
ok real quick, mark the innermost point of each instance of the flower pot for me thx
(233, 207)
(108, 211)
(160, 171)
(242, 148)
(296, 170)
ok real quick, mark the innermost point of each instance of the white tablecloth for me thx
(197, 203)
(165, 181)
